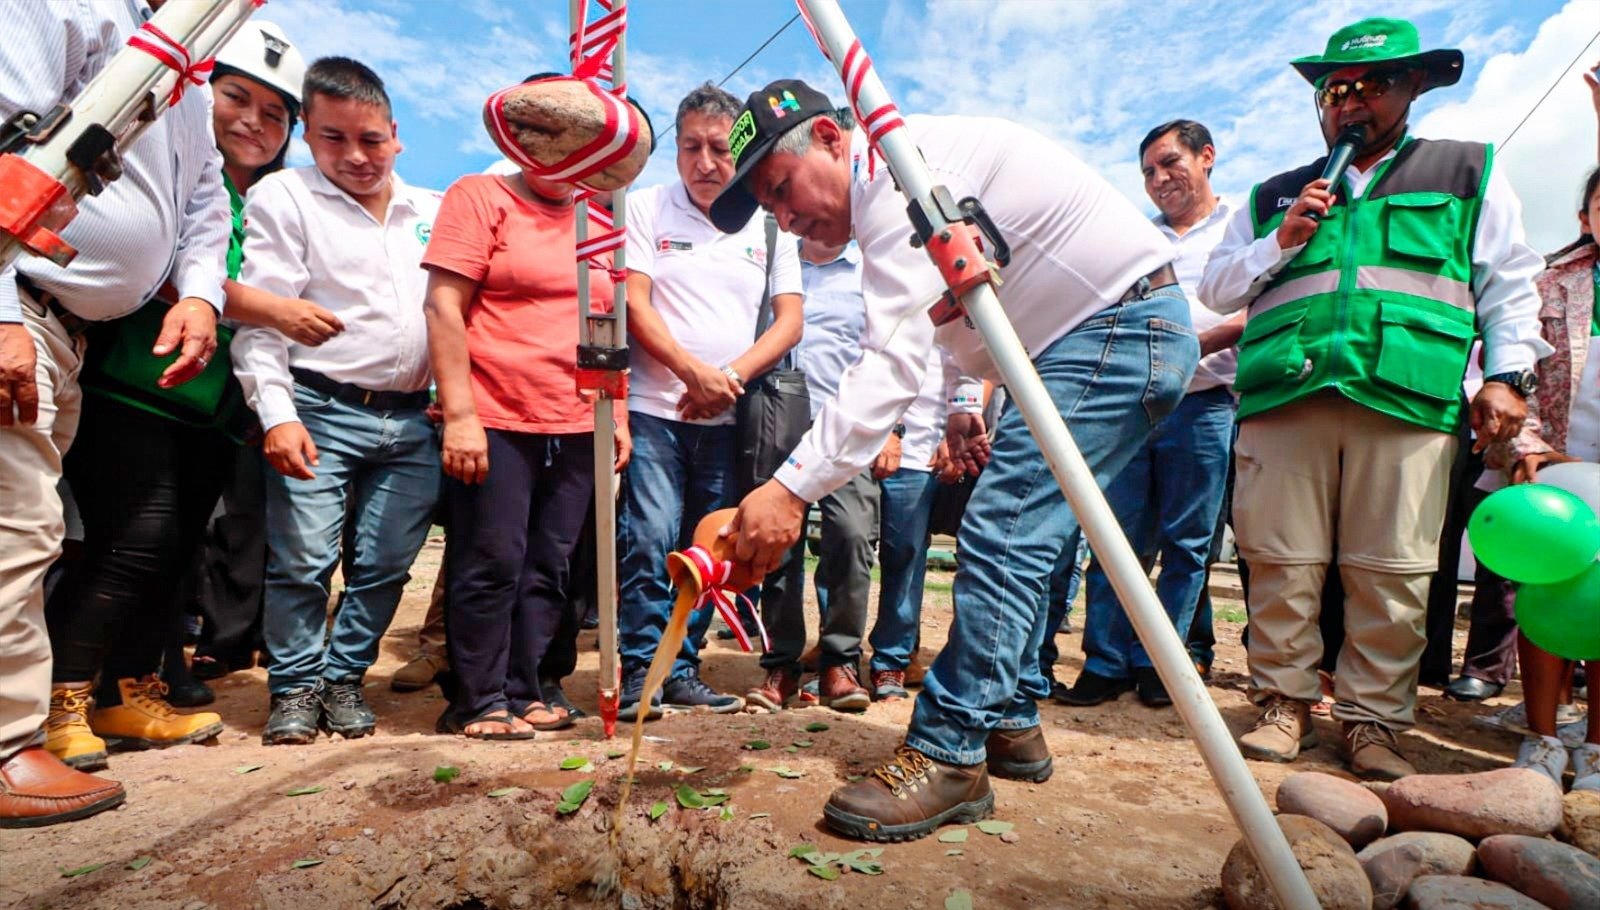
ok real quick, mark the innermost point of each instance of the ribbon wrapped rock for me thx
(570, 130)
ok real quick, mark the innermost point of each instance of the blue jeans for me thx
(1112, 378)
(1065, 580)
(680, 472)
(906, 505)
(378, 470)
(1166, 499)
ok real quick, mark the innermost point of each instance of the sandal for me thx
(448, 724)
(563, 717)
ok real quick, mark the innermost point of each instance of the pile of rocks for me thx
(1432, 842)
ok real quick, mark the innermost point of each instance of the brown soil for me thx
(1130, 819)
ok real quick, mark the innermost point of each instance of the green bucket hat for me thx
(1382, 41)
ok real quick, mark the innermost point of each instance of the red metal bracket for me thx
(33, 206)
(957, 252)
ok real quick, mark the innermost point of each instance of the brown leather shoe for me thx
(1373, 752)
(1283, 729)
(776, 692)
(1020, 755)
(907, 797)
(37, 789)
(841, 690)
(916, 670)
(811, 661)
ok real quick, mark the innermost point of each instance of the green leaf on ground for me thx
(689, 797)
(663, 766)
(576, 763)
(755, 815)
(960, 900)
(305, 863)
(852, 778)
(746, 769)
(692, 769)
(953, 852)
(714, 791)
(305, 791)
(140, 863)
(572, 798)
(726, 814)
(757, 745)
(801, 850)
(615, 753)
(81, 870)
(657, 810)
(444, 774)
(802, 743)
(791, 749)
(994, 826)
(826, 873)
(246, 769)
(816, 726)
(953, 836)
(503, 791)
(863, 861)
(713, 799)
(784, 772)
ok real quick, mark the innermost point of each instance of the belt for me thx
(74, 324)
(356, 395)
(1160, 278)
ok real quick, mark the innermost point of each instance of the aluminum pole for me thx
(1233, 779)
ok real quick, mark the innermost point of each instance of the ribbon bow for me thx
(175, 56)
(713, 574)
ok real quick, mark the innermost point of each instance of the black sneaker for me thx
(691, 692)
(1094, 689)
(1152, 691)
(632, 688)
(345, 710)
(295, 717)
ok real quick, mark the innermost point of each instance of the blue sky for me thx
(1095, 74)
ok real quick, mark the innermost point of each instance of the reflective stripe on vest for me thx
(1369, 277)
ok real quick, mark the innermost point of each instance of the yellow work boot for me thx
(144, 720)
(66, 730)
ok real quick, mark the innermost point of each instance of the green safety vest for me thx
(1378, 306)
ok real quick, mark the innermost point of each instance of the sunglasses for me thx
(1368, 87)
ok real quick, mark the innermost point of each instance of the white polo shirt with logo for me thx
(706, 286)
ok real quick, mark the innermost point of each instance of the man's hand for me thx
(888, 461)
(968, 441)
(290, 451)
(1497, 415)
(708, 392)
(944, 468)
(18, 360)
(190, 328)
(466, 450)
(767, 524)
(1298, 226)
(623, 448)
(1526, 470)
(305, 322)
(1591, 78)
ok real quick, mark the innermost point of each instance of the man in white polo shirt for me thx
(693, 296)
(1091, 292)
(346, 432)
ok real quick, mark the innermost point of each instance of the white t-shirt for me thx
(1194, 248)
(1077, 245)
(705, 284)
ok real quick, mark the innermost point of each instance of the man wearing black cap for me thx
(1091, 292)
(1365, 300)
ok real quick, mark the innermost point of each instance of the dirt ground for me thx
(1130, 818)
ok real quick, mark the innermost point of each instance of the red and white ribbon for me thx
(714, 574)
(857, 64)
(175, 56)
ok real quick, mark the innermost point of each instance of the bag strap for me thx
(764, 314)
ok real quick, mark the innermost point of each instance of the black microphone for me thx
(1349, 141)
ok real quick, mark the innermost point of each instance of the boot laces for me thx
(892, 677)
(1281, 713)
(150, 693)
(906, 770)
(70, 702)
(346, 695)
(1363, 735)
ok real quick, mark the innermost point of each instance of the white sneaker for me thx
(1586, 767)
(1573, 734)
(1546, 755)
(1515, 719)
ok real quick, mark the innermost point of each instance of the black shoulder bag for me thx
(775, 409)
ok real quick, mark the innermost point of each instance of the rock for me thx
(1457, 892)
(1351, 810)
(550, 119)
(1580, 821)
(1558, 875)
(1391, 874)
(1392, 863)
(1330, 865)
(1503, 801)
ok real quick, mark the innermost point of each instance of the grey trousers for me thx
(843, 580)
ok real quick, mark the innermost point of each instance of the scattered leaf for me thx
(757, 745)
(801, 850)
(714, 791)
(713, 799)
(246, 769)
(726, 814)
(692, 769)
(305, 863)
(664, 766)
(755, 815)
(852, 778)
(615, 753)
(960, 900)
(576, 763)
(657, 810)
(826, 873)
(305, 791)
(953, 852)
(816, 726)
(444, 774)
(140, 863)
(802, 743)
(994, 826)
(784, 772)
(689, 797)
(953, 836)
(503, 791)
(572, 798)
(791, 749)
(746, 769)
(82, 870)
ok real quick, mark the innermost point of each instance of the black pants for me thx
(229, 575)
(509, 553)
(145, 486)
(561, 658)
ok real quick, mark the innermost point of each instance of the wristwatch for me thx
(1523, 382)
(900, 430)
(733, 374)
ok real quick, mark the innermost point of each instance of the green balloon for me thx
(1563, 618)
(1535, 534)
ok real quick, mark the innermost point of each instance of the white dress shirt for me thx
(705, 285)
(305, 237)
(1194, 246)
(166, 216)
(1077, 245)
(1503, 269)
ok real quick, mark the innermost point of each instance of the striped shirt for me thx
(166, 217)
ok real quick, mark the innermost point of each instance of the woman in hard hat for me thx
(151, 462)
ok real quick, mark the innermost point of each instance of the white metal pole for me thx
(1171, 659)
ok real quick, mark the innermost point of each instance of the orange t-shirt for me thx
(522, 324)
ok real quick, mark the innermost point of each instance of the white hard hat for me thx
(261, 51)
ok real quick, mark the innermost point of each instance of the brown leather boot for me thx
(1373, 752)
(916, 670)
(841, 690)
(907, 797)
(1283, 729)
(37, 789)
(1020, 755)
(781, 687)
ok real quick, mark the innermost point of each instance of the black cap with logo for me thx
(767, 115)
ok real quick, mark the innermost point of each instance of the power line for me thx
(1547, 91)
(724, 80)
